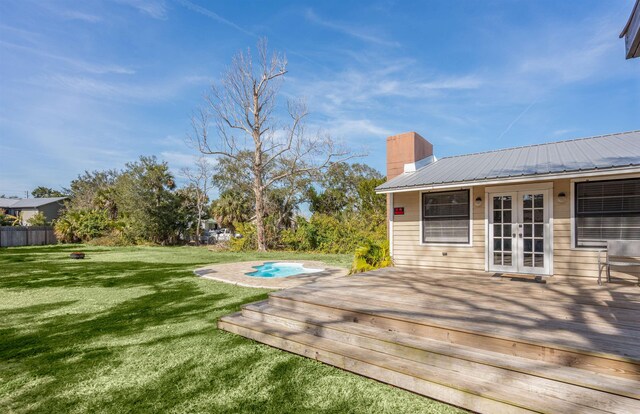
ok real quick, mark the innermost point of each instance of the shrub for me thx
(84, 225)
(248, 241)
(371, 256)
(114, 238)
(8, 219)
(334, 234)
(37, 219)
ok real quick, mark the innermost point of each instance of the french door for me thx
(519, 232)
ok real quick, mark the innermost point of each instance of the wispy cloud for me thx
(78, 15)
(73, 62)
(348, 30)
(517, 118)
(120, 91)
(215, 16)
(152, 8)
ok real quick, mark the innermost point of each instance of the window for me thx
(607, 210)
(445, 217)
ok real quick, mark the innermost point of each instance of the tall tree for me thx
(144, 194)
(231, 207)
(43, 192)
(199, 178)
(242, 110)
(345, 187)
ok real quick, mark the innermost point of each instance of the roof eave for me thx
(514, 179)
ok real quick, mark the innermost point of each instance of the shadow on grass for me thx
(102, 350)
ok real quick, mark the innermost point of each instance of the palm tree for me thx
(231, 207)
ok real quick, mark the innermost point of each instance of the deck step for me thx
(537, 374)
(469, 385)
(454, 328)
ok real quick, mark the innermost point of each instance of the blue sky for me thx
(93, 84)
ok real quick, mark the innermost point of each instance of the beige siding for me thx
(568, 262)
(407, 250)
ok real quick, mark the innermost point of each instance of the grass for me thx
(133, 330)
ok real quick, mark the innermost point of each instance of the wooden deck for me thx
(482, 343)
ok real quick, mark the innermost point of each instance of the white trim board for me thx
(572, 208)
(509, 180)
(421, 222)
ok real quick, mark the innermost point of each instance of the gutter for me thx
(508, 180)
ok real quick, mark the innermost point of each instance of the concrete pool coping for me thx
(234, 273)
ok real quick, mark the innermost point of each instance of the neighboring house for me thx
(631, 33)
(29, 207)
(544, 209)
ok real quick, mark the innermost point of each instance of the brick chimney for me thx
(405, 148)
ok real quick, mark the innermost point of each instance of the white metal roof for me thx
(605, 152)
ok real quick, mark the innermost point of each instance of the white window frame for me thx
(572, 196)
(421, 221)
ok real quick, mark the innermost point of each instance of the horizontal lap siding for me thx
(568, 263)
(407, 250)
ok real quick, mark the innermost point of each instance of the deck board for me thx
(523, 347)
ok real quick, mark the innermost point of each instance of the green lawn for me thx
(133, 330)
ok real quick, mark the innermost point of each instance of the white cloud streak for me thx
(212, 15)
(72, 62)
(348, 29)
(156, 9)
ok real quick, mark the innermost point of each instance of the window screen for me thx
(607, 210)
(445, 217)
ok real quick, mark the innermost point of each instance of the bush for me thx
(37, 219)
(114, 238)
(371, 256)
(83, 225)
(248, 241)
(334, 234)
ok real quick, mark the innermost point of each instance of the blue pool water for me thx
(273, 269)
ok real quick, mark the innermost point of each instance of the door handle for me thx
(520, 235)
(513, 235)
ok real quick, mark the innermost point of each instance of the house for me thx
(545, 209)
(26, 208)
(458, 318)
(631, 33)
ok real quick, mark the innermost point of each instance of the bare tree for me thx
(199, 177)
(240, 113)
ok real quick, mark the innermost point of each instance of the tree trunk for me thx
(258, 190)
(260, 231)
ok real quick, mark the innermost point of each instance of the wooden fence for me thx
(26, 236)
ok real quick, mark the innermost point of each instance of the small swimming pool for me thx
(277, 269)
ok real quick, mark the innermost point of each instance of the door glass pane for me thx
(538, 200)
(507, 259)
(502, 216)
(497, 259)
(528, 260)
(539, 230)
(538, 215)
(533, 234)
